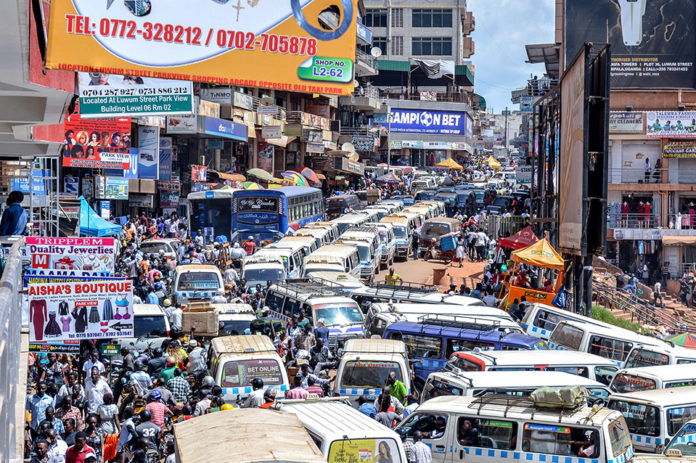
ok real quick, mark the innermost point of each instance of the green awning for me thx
(392, 65)
(463, 73)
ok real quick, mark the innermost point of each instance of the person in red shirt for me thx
(157, 409)
(250, 245)
(314, 389)
(269, 398)
(78, 452)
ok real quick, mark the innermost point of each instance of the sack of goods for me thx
(559, 397)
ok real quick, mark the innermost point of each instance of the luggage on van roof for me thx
(246, 344)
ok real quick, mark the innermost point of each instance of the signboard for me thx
(671, 124)
(75, 311)
(132, 172)
(265, 159)
(169, 198)
(203, 42)
(66, 273)
(111, 188)
(523, 175)
(199, 173)
(165, 158)
(348, 166)
(680, 149)
(322, 110)
(110, 349)
(223, 128)
(363, 143)
(71, 185)
(242, 100)
(168, 185)
(92, 254)
(271, 131)
(626, 122)
(271, 110)
(38, 183)
(570, 210)
(182, 124)
(364, 33)
(104, 95)
(217, 95)
(653, 43)
(527, 103)
(363, 451)
(148, 152)
(141, 200)
(97, 143)
(433, 122)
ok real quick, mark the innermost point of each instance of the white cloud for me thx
(503, 28)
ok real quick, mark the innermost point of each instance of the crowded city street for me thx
(334, 231)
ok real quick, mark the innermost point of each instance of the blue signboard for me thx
(226, 129)
(39, 185)
(365, 33)
(431, 122)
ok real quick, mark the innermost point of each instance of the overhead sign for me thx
(680, 149)
(671, 124)
(72, 254)
(141, 200)
(203, 41)
(97, 143)
(223, 128)
(217, 95)
(181, 124)
(653, 43)
(111, 188)
(104, 95)
(523, 175)
(628, 122)
(90, 310)
(432, 122)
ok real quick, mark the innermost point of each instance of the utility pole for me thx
(506, 129)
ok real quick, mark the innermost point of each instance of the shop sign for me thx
(168, 186)
(523, 175)
(271, 110)
(222, 95)
(223, 128)
(165, 40)
(110, 349)
(111, 187)
(330, 145)
(109, 95)
(307, 119)
(365, 34)
(679, 149)
(626, 122)
(105, 209)
(671, 124)
(38, 183)
(432, 122)
(351, 167)
(395, 144)
(208, 108)
(265, 158)
(271, 131)
(293, 130)
(315, 148)
(242, 100)
(312, 136)
(322, 110)
(182, 124)
(148, 152)
(169, 198)
(97, 143)
(166, 151)
(72, 254)
(363, 143)
(141, 200)
(56, 347)
(98, 310)
(199, 173)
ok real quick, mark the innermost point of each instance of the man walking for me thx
(657, 294)
(420, 453)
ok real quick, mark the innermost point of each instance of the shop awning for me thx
(93, 225)
(678, 240)
(283, 141)
(519, 240)
(540, 254)
(449, 163)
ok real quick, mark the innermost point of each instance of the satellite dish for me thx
(347, 147)
(376, 52)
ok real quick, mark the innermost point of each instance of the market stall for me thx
(537, 274)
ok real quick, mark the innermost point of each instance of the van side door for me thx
(480, 439)
(438, 429)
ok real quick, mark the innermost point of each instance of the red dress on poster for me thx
(648, 212)
(37, 316)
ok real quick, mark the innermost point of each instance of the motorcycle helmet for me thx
(269, 395)
(145, 415)
(155, 395)
(208, 382)
(256, 383)
(227, 407)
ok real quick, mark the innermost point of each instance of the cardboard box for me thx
(205, 306)
(202, 323)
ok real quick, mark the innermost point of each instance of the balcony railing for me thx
(681, 221)
(632, 220)
(637, 175)
(366, 58)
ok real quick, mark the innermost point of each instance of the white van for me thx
(540, 320)
(151, 328)
(234, 361)
(388, 241)
(647, 378)
(371, 214)
(308, 243)
(495, 429)
(337, 258)
(260, 267)
(291, 256)
(381, 315)
(332, 227)
(168, 246)
(347, 221)
(366, 364)
(475, 383)
(404, 292)
(369, 248)
(343, 434)
(403, 227)
(197, 282)
(611, 343)
(234, 319)
(665, 354)
(654, 417)
(322, 236)
(576, 363)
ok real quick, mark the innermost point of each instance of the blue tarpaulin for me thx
(93, 225)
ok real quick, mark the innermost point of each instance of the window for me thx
(613, 349)
(623, 382)
(560, 440)
(436, 388)
(619, 437)
(397, 46)
(567, 336)
(646, 358)
(292, 307)
(431, 17)
(641, 418)
(457, 345)
(432, 426)
(421, 346)
(547, 320)
(678, 417)
(488, 434)
(397, 17)
(377, 42)
(376, 17)
(274, 301)
(605, 374)
(431, 46)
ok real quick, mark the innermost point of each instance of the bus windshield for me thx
(340, 314)
(684, 441)
(369, 374)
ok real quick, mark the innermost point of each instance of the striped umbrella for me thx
(310, 175)
(252, 186)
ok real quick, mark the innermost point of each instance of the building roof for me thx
(547, 53)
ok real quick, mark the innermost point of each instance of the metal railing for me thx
(363, 130)
(681, 221)
(13, 360)
(641, 310)
(637, 175)
(497, 226)
(367, 92)
(365, 58)
(632, 220)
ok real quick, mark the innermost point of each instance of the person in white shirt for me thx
(420, 453)
(96, 387)
(231, 275)
(93, 361)
(56, 447)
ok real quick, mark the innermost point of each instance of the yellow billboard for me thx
(289, 45)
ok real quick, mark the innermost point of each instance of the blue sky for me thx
(503, 28)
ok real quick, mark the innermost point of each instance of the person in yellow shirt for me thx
(392, 277)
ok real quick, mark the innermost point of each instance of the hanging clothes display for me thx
(52, 328)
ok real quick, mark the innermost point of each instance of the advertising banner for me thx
(148, 152)
(433, 122)
(169, 198)
(165, 158)
(104, 95)
(182, 124)
(271, 131)
(217, 95)
(177, 40)
(680, 149)
(199, 173)
(572, 165)
(626, 122)
(90, 310)
(132, 172)
(36, 279)
(70, 347)
(111, 188)
(671, 124)
(363, 451)
(90, 254)
(141, 200)
(97, 143)
(523, 175)
(243, 100)
(653, 43)
(223, 128)
(265, 161)
(71, 185)
(38, 183)
(67, 273)
(363, 143)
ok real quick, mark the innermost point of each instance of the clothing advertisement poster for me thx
(88, 254)
(95, 310)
